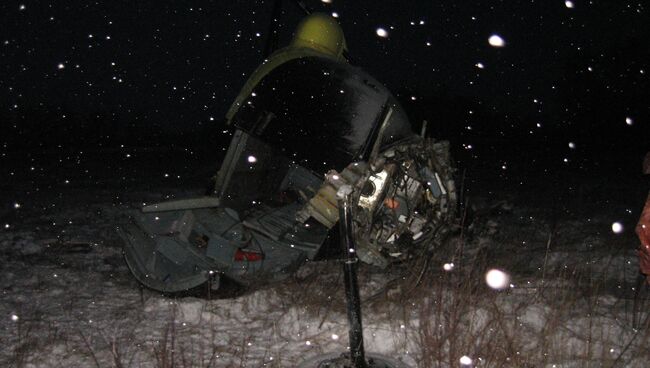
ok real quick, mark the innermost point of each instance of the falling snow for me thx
(75, 91)
(465, 360)
(617, 227)
(496, 41)
(497, 279)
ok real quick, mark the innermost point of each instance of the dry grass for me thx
(564, 316)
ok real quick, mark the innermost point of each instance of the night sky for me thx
(568, 90)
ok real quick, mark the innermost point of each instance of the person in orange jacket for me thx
(643, 229)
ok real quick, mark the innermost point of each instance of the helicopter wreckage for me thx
(306, 124)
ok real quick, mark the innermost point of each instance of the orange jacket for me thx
(643, 227)
(643, 231)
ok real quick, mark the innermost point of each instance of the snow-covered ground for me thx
(68, 299)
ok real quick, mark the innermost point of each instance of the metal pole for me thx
(357, 354)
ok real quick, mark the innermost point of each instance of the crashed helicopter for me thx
(306, 123)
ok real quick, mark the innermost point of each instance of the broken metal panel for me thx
(249, 242)
(154, 268)
(235, 149)
(181, 260)
(224, 222)
(182, 227)
(306, 119)
(301, 180)
(172, 250)
(273, 222)
(255, 172)
(221, 250)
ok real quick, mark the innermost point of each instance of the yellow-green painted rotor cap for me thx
(320, 32)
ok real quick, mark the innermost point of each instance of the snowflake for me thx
(496, 41)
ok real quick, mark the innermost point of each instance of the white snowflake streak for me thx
(496, 41)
